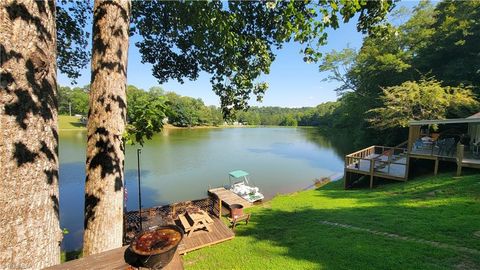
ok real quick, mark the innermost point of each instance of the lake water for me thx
(181, 164)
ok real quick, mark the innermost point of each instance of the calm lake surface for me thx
(181, 164)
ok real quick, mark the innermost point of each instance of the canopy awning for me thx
(238, 173)
(444, 121)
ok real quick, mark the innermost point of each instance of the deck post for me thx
(372, 166)
(460, 150)
(435, 171)
(407, 167)
(219, 207)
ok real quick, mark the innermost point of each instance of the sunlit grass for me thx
(69, 122)
(287, 233)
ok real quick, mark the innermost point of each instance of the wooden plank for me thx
(413, 135)
(199, 239)
(229, 198)
(372, 167)
(460, 152)
(112, 259)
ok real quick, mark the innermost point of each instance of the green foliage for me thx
(337, 64)
(188, 112)
(75, 99)
(72, 38)
(234, 41)
(145, 114)
(452, 51)
(438, 40)
(426, 99)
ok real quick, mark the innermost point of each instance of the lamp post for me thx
(139, 188)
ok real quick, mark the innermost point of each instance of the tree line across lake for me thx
(183, 111)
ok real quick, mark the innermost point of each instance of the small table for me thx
(196, 221)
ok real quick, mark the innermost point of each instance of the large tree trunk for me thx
(106, 125)
(30, 233)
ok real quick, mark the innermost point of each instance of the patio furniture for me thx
(234, 221)
(195, 221)
(475, 148)
(449, 146)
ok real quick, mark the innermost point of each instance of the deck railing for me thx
(376, 159)
(168, 213)
(356, 157)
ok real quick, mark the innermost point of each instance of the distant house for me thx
(83, 120)
(450, 140)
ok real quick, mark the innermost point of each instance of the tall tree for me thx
(30, 234)
(426, 99)
(106, 126)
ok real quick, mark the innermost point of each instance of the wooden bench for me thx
(234, 221)
(185, 223)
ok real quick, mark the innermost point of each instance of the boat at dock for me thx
(239, 184)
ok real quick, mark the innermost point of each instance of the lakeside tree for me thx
(426, 99)
(437, 40)
(29, 137)
(145, 114)
(106, 127)
(35, 34)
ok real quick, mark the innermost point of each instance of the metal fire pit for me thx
(157, 258)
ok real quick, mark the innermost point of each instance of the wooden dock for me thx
(170, 214)
(228, 197)
(199, 239)
(112, 259)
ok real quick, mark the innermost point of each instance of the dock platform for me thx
(199, 239)
(228, 197)
(112, 259)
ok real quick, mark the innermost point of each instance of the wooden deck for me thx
(229, 198)
(376, 161)
(199, 239)
(219, 232)
(395, 170)
(112, 260)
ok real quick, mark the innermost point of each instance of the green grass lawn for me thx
(297, 231)
(69, 122)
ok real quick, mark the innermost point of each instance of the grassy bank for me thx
(428, 223)
(66, 122)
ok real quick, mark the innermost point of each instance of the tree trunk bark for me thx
(30, 232)
(106, 125)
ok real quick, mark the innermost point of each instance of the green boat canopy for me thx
(238, 173)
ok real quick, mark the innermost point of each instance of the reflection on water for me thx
(181, 164)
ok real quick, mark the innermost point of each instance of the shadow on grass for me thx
(78, 124)
(451, 217)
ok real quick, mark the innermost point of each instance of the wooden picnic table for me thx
(192, 221)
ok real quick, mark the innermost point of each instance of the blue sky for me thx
(292, 82)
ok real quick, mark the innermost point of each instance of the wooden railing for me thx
(356, 157)
(371, 155)
(460, 154)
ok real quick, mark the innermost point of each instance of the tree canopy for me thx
(234, 41)
(385, 79)
(413, 101)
